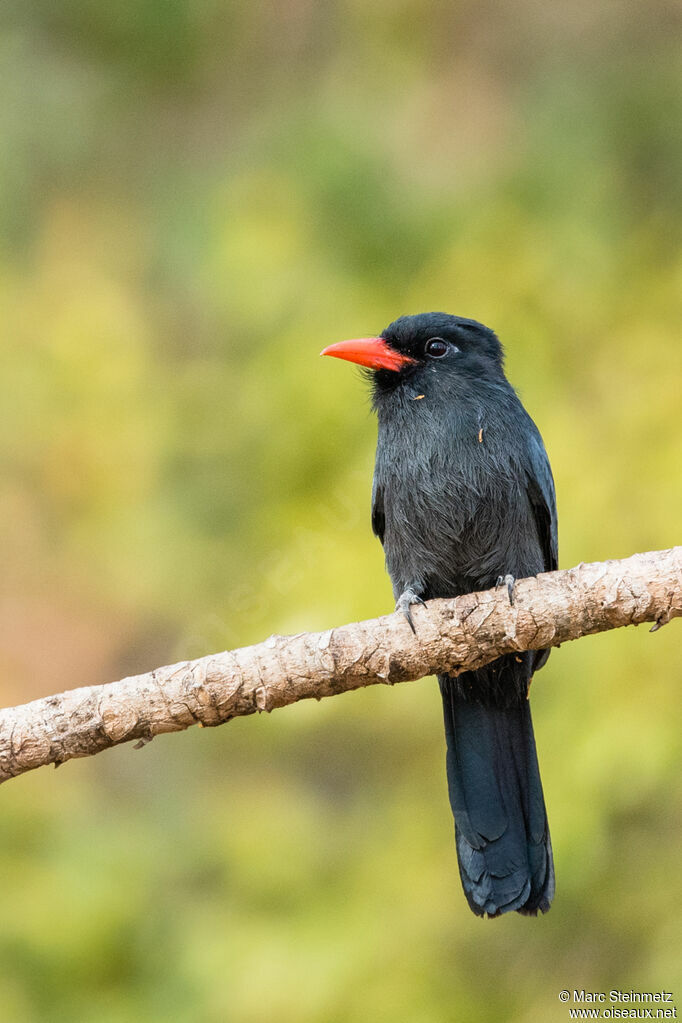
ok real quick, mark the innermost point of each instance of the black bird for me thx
(463, 499)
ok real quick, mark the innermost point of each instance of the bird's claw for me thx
(405, 601)
(509, 581)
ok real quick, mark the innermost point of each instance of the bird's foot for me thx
(405, 601)
(509, 581)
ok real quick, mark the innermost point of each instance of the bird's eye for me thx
(436, 347)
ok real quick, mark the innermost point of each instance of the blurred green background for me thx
(195, 198)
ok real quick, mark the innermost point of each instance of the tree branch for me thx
(452, 636)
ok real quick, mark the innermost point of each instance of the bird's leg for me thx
(407, 598)
(509, 581)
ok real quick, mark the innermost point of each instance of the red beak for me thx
(369, 351)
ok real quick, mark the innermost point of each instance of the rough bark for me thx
(452, 636)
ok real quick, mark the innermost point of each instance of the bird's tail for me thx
(501, 831)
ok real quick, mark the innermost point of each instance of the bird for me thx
(463, 499)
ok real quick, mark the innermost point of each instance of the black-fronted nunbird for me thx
(463, 499)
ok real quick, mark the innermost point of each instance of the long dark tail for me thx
(501, 831)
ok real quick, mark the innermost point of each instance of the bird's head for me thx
(425, 349)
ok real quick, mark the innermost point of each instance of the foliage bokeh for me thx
(194, 199)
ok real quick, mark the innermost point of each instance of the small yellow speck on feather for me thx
(480, 436)
(418, 397)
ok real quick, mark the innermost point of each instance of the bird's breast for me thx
(452, 503)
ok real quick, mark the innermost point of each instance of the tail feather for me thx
(501, 831)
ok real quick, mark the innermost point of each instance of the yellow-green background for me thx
(195, 198)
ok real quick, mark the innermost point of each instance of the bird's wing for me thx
(378, 519)
(540, 486)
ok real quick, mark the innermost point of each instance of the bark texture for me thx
(452, 636)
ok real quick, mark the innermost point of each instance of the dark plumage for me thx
(463, 494)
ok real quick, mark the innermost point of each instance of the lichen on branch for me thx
(452, 636)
